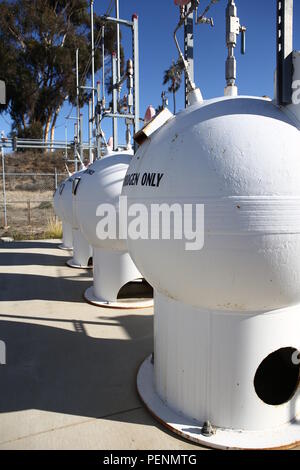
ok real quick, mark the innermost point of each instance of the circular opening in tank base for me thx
(284, 437)
(72, 264)
(277, 378)
(126, 304)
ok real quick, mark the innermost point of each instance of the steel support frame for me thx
(189, 51)
(284, 51)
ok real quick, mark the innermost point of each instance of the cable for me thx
(97, 42)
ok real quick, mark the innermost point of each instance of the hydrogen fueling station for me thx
(179, 327)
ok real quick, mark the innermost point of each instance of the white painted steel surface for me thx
(67, 241)
(82, 251)
(240, 158)
(113, 267)
(221, 311)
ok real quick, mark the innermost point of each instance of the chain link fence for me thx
(26, 203)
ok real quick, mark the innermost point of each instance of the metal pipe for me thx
(118, 21)
(118, 47)
(75, 145)
(90, 131)
(4, 188)
(136, 71)
(77, 89)
(115, 100)
(93, 60)
(118, 115)
(98, 121)
(103, 66)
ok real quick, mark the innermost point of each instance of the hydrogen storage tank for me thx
(225, 368)
(97, 198)
(67, 241)
(82, 251)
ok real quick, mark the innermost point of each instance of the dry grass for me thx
(53, 228)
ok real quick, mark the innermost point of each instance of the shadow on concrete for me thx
(10, 258)
(17, 287)
(64, 371)
(34, 244)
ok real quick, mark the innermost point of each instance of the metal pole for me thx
(4, 189)
(55, 178)
(66, 142)
(284, 50)
(115, 100)
(118, 47)
(103, 66)
(75, 146)
(81, 138)
(98, 122)
(93, 59)
(77, 93)
(189, 51)
(90, 131)
(136, 73)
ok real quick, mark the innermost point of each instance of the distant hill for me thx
(34, 162)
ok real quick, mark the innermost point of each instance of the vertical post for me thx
(81, 137)
(136, 74)
(99, 131)
(118, 47)
(93, 60)
(75, 146)
(90, 131)
(66, 142)
(284, 51)
(29, 212)
(77, 95)
(115, 100)
(103, 66)
(4, 188)
(189, 51)
(55, 178)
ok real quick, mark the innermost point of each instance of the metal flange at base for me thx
(126, 304)
(283, 437)
(65, 248)
(72, 264)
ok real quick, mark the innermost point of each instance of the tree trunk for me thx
(47, 127)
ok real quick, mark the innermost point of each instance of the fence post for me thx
(4, 189)
(55, 178)
(29, 212)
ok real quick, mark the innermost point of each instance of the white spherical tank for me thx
(100, 187)
(227, 316)
(67, 242)
(82, 251)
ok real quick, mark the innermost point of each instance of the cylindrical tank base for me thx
(112, 271)
(67, 241)
(82, 252)
(237, 371)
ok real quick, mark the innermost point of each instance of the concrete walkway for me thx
(69, 381)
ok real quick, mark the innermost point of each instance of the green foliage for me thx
(173, 78)
(38, 42)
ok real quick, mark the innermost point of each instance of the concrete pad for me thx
(70, 377)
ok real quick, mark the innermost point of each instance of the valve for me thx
(233, 29)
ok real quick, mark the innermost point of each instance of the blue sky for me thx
(157, 21)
